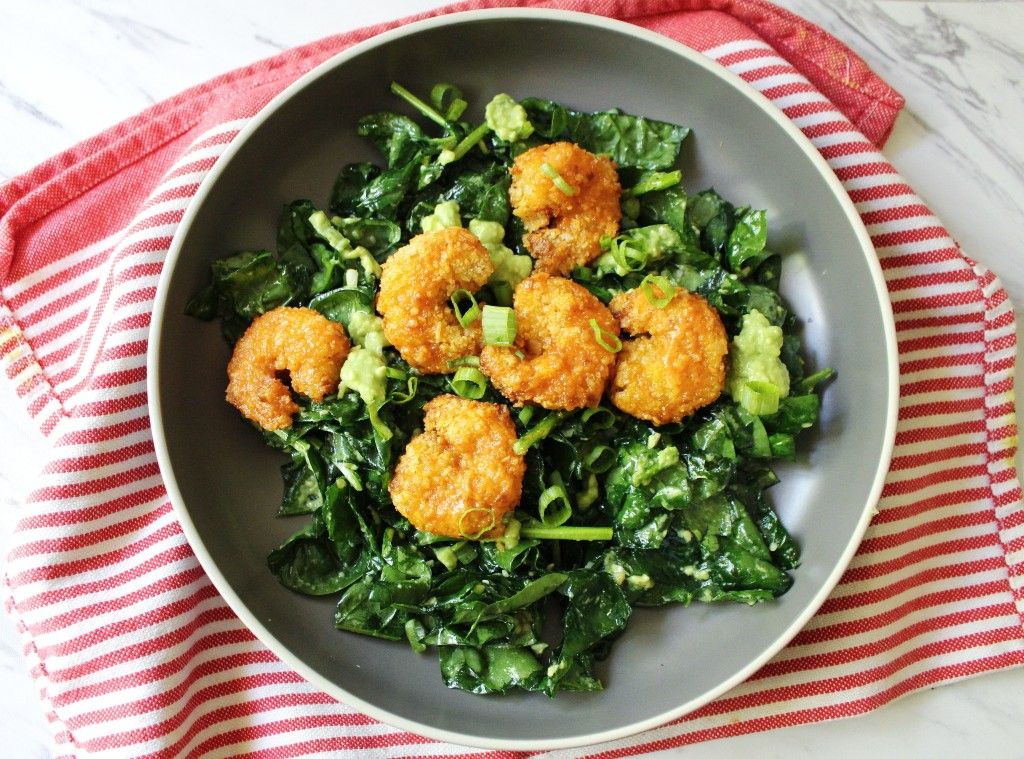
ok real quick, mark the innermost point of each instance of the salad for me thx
(525, 381)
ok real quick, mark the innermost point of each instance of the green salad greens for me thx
(615, 513)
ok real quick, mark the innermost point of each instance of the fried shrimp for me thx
(675, 364)
(299, 341)
(460, 476)
(568, 199)
(416, 285)
(563, 365)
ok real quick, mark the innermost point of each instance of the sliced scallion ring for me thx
(538, 432)
(469, 382)
(665, 290)
(553, 506)
(482, 531)
(552, 173)
(759, 398)
(605, 339)
(465, 314)
(499, 325)
(455, 363)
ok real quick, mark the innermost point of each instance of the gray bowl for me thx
(225, 484)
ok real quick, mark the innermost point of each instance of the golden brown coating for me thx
(675, 364)
(563, 366)
(460, 476)
(300, 341)
(565, 230)
(415, 287)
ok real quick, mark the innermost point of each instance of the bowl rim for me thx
(238, 605)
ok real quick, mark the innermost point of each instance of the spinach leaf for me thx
(630, 141)
(597, 609)
(492, 669)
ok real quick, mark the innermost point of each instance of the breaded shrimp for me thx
(564, 229)
(460, 476)
(675, 364)
(300, 341)
(415, 287)
(563, 364)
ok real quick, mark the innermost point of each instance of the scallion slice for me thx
(419, 105)
(455, 363)
(599, 459)
(626, 256)
(467, 143)
(499, 325)
(483, 530)
(464, 314)
(442, 92)
(553, 506)
(469, 382)
(552, 173)
(598, 418)
(538, 432)
(539, 531)
(605, 339)
(759, 398)
(665, 290)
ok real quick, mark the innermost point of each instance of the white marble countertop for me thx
(69, 68)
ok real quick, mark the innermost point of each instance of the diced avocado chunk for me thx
(754, 358)
(507, 119)
(446, 214)
(365, 372)
(508, 267)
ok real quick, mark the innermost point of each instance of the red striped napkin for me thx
(134, 652)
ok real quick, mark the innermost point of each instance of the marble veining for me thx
(69, 68)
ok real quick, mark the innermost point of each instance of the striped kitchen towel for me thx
(134, 652)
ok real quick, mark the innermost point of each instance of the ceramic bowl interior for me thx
(226, 485)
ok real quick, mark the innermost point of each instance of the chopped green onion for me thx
(471, 313)
(412, 383)
(499, 325)
(627, 257)
(605, 339)
(455, 106)
(598, 418)
(469, 382)
(564, 532)
(759, 398)
(667, 289)
(480, 533)
(541, 430)
(526, 414)
(419, 105)
(551, 173)
(553, 506)
(599, 459)
(471, 139)
(455, 363)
